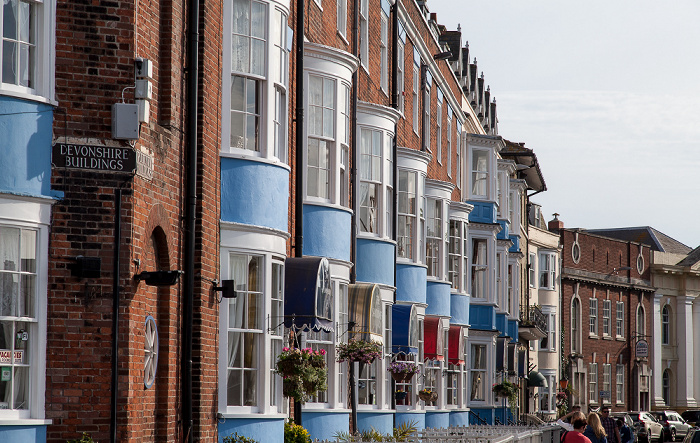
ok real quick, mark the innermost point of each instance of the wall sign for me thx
(6, 356)
(100, 158)
(641, 350)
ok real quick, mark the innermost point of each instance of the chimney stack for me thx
(555, 225)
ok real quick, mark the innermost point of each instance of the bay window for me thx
(478, 373)
(407, 207)
(480, 173)
(321, 139)
(26, 47)
(547, 263)
(434, 238)
(479, 268)
(19, 335)
(248, 69)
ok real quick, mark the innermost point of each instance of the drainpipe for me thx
(395, 105)
(353, 219)
(190, 218)
(299, 159)
(115, 316)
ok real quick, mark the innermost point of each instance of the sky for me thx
(607, 94)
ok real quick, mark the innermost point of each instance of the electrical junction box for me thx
(144, 89)
(125, 121)
(144, 110)
(143, 68)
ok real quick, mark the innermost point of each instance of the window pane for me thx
(241, 17)
(9, 22)
(240, 53)
(258, 27)
(237, 130)
(257, 57)
(21, 388)
(233, 391)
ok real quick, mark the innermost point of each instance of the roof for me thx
(692, 258)
(526, 157)
(453, 39)
(646, 235)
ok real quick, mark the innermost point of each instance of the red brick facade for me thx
(96, 47)
(606, 270)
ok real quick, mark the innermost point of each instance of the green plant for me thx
(508, 390)
(235, 438)
(402, 433)
(85, 438)
(294, 433)
(405, 430)
(303, 371)
(359, 350)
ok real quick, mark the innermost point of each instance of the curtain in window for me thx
(477, 382)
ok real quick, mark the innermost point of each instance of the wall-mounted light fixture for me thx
(158, 278)
(227, 289)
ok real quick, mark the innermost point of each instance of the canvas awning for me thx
(405, 329)
(536, 380)
(456, 345)
(432, 338)
(308, 299)
(365, 310)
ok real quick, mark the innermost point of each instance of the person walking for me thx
(594, 431)
(624, 430)
(610, 426)
(578, 421)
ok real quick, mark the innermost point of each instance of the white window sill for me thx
(251, 415)
(24, 422)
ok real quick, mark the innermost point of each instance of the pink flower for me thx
(285, 349)
(323, 352)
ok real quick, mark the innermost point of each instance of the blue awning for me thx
(308, 299)
(365, 310)
(404, 321)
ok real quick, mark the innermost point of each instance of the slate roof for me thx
(525, 156)
(645, 235)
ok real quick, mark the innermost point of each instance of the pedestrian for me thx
(578, 421)
(625, 431)
(610, 426)
(565, 421)
(594, 431)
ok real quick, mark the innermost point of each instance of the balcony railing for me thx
(534, 317)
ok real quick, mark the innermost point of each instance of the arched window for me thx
(666, 387)
(576, 325)
(641, 321)
(665, 325)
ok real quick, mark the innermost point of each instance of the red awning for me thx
(432, 339)
(456, 348)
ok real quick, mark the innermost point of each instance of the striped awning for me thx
(456, 345)
(365, 310)
(404, 329)
(308, 299)
(432, 335)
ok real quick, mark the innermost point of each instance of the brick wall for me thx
(96, 47)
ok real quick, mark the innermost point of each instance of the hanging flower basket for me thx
(507, 390)
(427, 395)
(304, 372)
(359, 350)
(402, 371)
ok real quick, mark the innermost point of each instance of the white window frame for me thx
(666, 325)
(477, 174)
(438, 129)
(481, 369)
(434, 238)
(372, 155)
(364, 34)
(278, 38)
(42, 67)
(620, 384)
(426, 117)
(457, 255)
(416, 100)
(384, 52)
(551, 317)
(607, 311)
(547, 267)
(532, 270)
(479, 268)
(401, 73)
(593, 316)
(448, 151)
(607, 380)
(641, 320)
(342, 17)
(620, 319)
(35, 320)
(593, 383)
(576, 317)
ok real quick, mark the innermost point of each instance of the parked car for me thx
(692, 416)
(693, 436)
(674, 425)
(646, 427)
